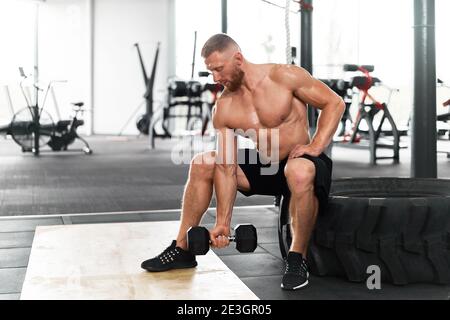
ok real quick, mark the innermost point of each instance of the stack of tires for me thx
(401, 225)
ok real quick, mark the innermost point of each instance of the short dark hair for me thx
(218, 42)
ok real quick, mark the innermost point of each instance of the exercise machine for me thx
(187, 101)
(214, 89)
(186, 109)
(143, 123)
(33, 127)
(444, 118)
(364, 131)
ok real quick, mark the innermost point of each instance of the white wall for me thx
(203, 16)
(259, 29)
(17, 49)
(118, 81)
(64, 53)
(117, 86)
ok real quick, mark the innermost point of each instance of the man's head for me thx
(224, 59)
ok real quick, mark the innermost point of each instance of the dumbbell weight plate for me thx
(198, 240)
(246, 238)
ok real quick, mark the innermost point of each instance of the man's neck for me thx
(253, 74)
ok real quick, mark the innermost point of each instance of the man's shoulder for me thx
(288, 75)
(279, 72)
(219, 112)
(225, 99)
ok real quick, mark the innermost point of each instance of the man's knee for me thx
(203, 165)
(300, 174)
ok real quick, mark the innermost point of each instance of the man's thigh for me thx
(322, 178)
(261, 179)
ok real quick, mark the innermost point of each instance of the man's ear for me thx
(239, 57)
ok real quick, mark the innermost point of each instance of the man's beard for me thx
(236, 80)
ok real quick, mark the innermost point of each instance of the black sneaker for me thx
(296, 274)
(172, 258)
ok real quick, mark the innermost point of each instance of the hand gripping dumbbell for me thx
(245, 238)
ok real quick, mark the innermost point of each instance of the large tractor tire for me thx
(401, 225)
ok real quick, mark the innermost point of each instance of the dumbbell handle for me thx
(199, 239)
(230, 238)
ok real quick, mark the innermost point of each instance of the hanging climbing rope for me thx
(288, 33)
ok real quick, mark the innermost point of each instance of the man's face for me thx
(226, 68)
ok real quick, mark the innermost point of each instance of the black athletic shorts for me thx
(276, 184)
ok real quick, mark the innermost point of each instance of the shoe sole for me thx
(168, 269)
(297, 287)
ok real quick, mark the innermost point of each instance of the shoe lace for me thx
(168, 254)
(296, 268)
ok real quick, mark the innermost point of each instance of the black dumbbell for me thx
(245, 238)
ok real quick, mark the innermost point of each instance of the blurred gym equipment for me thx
(373, 127)
(33, 127)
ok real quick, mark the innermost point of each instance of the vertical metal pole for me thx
(36, 112)
(193, 56)
(171, 37)
(91, 71)
(424, 136)
(306, 54)
(224, 16)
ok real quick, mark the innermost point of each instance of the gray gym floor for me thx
(124, 181)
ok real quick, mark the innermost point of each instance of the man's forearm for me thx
(327, 124)
(225, 185)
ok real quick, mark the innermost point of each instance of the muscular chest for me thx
(263, 108)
